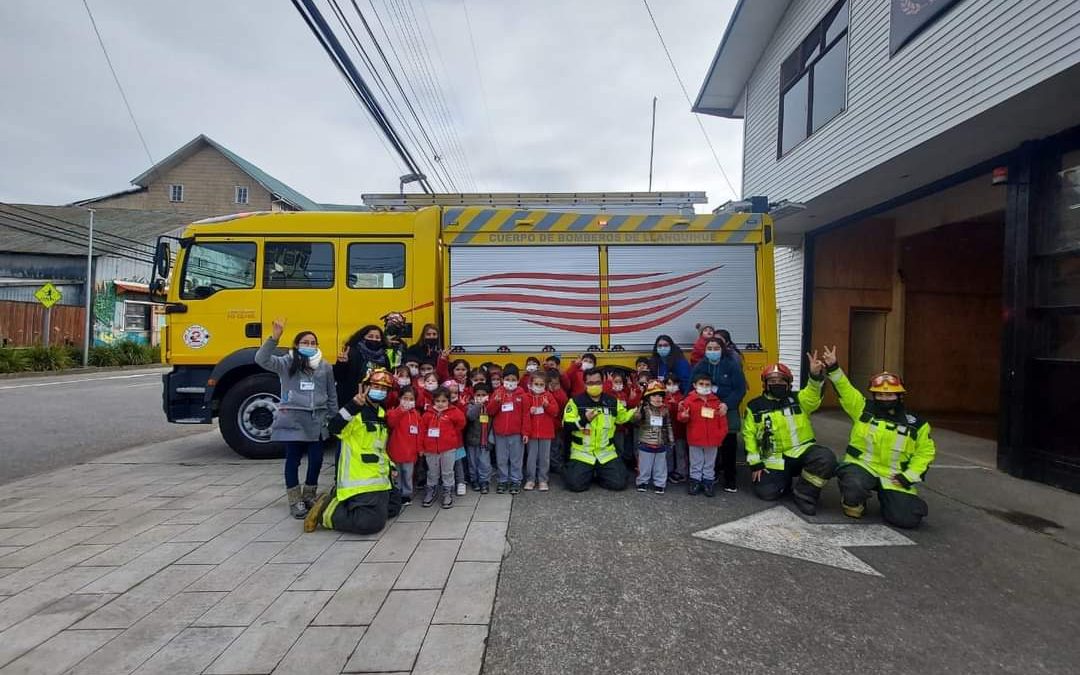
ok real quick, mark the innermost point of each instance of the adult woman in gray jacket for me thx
(308, 399)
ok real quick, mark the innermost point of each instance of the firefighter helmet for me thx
(777, 369)
(380, 377)
(887, 383)
(655, 387)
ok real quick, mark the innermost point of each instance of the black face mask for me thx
(431, 342)
(373, 345)
(779, 390)
(886, 408)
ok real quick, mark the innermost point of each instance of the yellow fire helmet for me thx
(381, 377)
(887, 383)
(655, 387)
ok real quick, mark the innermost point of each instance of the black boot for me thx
(805, 496)
(709, 487)
(694, 488)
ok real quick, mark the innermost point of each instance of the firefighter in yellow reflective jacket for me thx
(781, 450)
(592, 418)
(364, 496)
(889, 451)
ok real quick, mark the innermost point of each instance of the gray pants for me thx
(678, 460)
(405, 478)
(440, 466)
(480, 463)
(652, 466)
(509, 454)
(539, 460)
(702, 463)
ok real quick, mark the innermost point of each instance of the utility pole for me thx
(652, 141)
(87, 290)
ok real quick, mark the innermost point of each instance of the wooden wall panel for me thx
(21, 323)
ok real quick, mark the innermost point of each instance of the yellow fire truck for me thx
(501, 283)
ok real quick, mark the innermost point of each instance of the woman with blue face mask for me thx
(667, 358)
(308, 398)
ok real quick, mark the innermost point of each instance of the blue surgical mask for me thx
(663, 352)
(713, 356)
(308, 352)
(377, 394)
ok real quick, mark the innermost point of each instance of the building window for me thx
(210, 267)
(241, 195)
(298, 265)
(376, 266)
(136, 317)
(176, 193)
(813, 80)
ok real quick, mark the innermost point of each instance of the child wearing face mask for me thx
(427, 386)
(459, 456)
(404, 423)
(532, 365)
(558, 444)
(729, 384)
(441, 429)
(705, 416)
(477, 445)
(678, 458)
(630, 396)
(544, 413)
(573, 380)
(705, 331)
(656, 439)
(509, 416)
(308, 399)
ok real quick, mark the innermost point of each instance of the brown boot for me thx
(308, 495)
(296, 503)
(315, 513)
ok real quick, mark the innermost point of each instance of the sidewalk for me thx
(181, 558)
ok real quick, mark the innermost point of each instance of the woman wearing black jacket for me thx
(364, 351)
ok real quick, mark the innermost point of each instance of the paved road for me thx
(57, 421)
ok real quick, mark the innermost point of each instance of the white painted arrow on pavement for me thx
(779, 531)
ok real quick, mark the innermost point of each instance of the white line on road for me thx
(84, 379)
(959, 466)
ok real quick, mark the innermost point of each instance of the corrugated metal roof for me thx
(141, 226)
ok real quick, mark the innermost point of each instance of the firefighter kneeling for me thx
(364, 497)
(889, 451)
(780, 447)
(592, 418)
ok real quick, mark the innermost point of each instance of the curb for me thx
(78, 371)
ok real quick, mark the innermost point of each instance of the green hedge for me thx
(60, 357)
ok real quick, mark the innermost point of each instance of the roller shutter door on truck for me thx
(524, 297)
(656, 290)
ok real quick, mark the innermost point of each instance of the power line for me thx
(120, 239)
(483, 90)
(27, 225)
(697, 118)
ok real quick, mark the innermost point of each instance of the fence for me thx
(21, 324)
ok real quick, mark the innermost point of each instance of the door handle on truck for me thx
(253, 330)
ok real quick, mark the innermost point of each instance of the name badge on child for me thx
(656, 421)
(507, 407)
(415, 430)
(307, 385)
(484, 419)
(538, 410)
(708, 413)
(433, 432)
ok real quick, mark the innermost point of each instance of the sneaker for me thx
(730, 487)
(710, 488)
(515, 488)
(694, 488)
(501, 488)
(676, 478)
(643, 487)
(529, 485)
(543, 487)
(476, 487)
(461, 489)
(485, 488)
(658, 490)
(405, 501)
(429, 497)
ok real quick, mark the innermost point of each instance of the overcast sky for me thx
(568, 83)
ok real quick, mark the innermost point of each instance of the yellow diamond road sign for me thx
(48, 295)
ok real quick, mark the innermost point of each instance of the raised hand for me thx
(830, 356)
(361, 395)
(817, 366)
(343, 355)
(277, 327)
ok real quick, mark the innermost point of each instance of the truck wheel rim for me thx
(256, 416)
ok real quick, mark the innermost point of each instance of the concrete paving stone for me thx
(398, 543)
(59, 652)
(149, 634)
(333, 567)
(469, 594)
(286, 528)
(393, 639)
(124, 531)
(221, 547)
(358, 600)
(269, 638)
(270, 514)
(430, 565)
(27, 576)
(308, 547)
(190, 652)
(262, 498)
(41, 595)
(136, 603)
(494, 508)
(320, 649)
(452, 650)
(235, 571)
(215, 525)
(484, 542)
(31, 632)
(9, 533)
(145, 566)
(414, 513)
(128, 508)
(43, 549)
(184, 488)
(243, 605)
(193, 501)
(450, 523)
(121, 554)
(238, 477)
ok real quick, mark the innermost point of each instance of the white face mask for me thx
(403, 381)
(509, 385)
(431, 386)
(414, 371)
(672, 388)
(586, 365)
(532, 367)
(617, 387)
(408, 405)
(538, 388)
(703, 391)
(481, 400)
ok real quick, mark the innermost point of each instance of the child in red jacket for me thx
(573, 380)
(544, 413)
(706, 425)
(404, 423)
(509, 413)
(678, 458)
(705, 331)
(625, 442)
(441, 428)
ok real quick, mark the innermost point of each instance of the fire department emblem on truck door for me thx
(196, 336)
